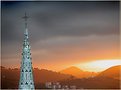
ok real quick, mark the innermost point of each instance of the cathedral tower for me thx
(26, 74)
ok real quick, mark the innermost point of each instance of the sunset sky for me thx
(62, 34)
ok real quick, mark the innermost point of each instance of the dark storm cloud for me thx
(51, 19)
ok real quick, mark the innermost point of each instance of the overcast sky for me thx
(60, 33)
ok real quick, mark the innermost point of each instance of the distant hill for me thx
(108, 79)
(10, 77)
(44, 75)
(78, 72)
(112, 72)
(94, 83)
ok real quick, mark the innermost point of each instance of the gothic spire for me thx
(26, 74)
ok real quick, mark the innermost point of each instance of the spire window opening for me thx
(26, 83)
(26, 71)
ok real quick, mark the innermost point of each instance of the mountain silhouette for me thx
(112, 72)
(10, 77)
(77, 72)
(108, 79)
(44, 75)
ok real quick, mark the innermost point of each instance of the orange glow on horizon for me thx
(99, 65)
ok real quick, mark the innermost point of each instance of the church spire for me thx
(26, 74)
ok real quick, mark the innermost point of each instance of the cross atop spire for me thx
(25, 17)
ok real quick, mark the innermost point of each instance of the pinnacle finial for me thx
(25, 17)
